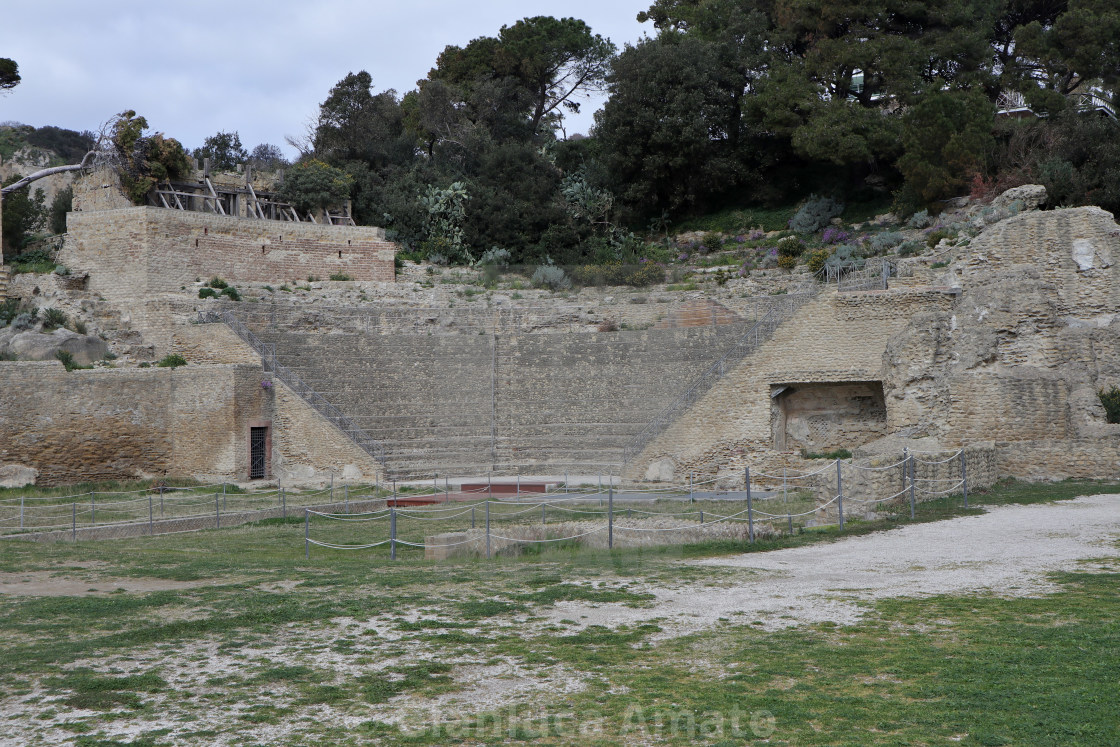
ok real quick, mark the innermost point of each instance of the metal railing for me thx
(267, 351)
(872, 276)
(782, 308)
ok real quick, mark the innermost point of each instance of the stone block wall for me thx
(140, 251)
(123, 424)
(836, 338)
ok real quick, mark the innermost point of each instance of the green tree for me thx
(557, 61)
(946, 137)
(267, 157)
(62, 203)
(1081, 45)
(663, 130)
(355, 124)
(9, 74)
(24, 213)
(315, 185)
(224, 150)
(144, 160)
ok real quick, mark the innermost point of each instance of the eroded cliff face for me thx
(1022, 353)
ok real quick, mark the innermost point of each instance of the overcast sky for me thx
(260, 68)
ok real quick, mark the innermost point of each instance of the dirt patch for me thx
(1008, 551)
(50, 584)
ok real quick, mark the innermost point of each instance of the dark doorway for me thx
(258, 453)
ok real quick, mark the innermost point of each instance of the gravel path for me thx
(1007, 551)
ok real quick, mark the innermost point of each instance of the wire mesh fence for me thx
(764, 505)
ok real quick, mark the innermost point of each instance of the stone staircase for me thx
(531, 402)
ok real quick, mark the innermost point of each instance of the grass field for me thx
(232, 637)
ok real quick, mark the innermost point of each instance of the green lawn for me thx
(231, 635)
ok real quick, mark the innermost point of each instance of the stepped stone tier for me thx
(1002, 351)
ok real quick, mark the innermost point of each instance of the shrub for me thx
(920, 219)
(495, 256)
(881, 243)
(9, 310)
(790, 246)
(68, 361)
(54, 318)
(340, 276)
(550, 276)
(24, 321)
(80, 327)
(786, 262)
(713, 242)
(62, 204)
(817, 259)
(218, 283)
(935, 237)
(645, 274)
(231, 293)
(608, 325)
(834, 235)
(1110, 398)
(909, 248)
(172, 361)
(836, 454)
(207, 293)
(815, 214)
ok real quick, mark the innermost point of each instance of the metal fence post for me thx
(840, 494)
(487, 528)
(392, 533)
(610, 517)
(690, 498)
(542, 514)
(964, 479)
(701, 517)
(217, 512)
(789, 518)
(161, 501)
(92, 510)
(224, 504)
(150, 513)
(284, 505)
(750, 507)
(910, 459)
(21, 512)
(307, 533)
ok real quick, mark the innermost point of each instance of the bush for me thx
(1111, 400)
(815, 214)
(790, 246)
(340, 276)
(909, 248)
(551, 277)
(172, 361)
(881, 243)
(68, 361)
(920, 219)
(24, 321)
(53, 318)
(495, 256)
(231, 293)
(935, 237)
(713, 242)
(207, 293)
(645, 274)
(817, 259)
(786, 262)
(9, 310)
(218, 283)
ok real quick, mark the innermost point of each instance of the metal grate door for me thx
(258, 465)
